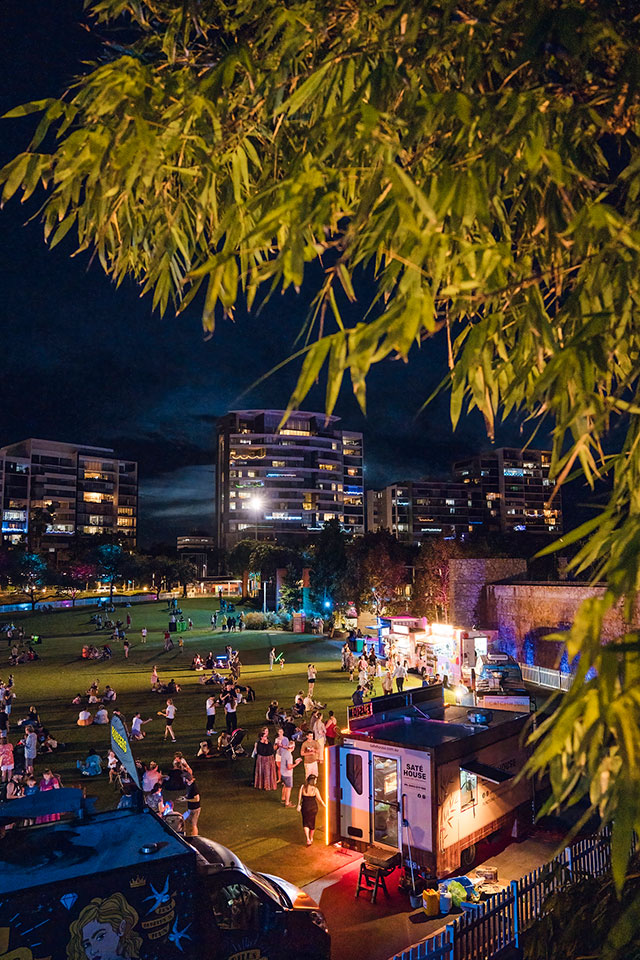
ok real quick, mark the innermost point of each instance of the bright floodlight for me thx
(255, 503)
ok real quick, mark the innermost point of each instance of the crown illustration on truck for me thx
(138, 881)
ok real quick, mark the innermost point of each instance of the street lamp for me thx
(255, 503)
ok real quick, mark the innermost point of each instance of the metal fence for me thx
(544, 677)
(498, 923)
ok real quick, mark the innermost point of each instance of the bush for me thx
(255, 621)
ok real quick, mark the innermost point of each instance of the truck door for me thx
(245, 922)
(355, 794)
(386, 801)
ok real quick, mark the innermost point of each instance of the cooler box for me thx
(181, 625)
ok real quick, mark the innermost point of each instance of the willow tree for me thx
(467, 169)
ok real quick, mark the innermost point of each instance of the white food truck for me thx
(448, 771)
(439, 647)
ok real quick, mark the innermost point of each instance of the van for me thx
(124, 884)
(498, 673)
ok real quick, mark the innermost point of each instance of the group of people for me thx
(227, 624)
(274, 765)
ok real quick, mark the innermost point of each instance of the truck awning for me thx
(486, 772)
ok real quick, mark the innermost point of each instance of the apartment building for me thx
(285, 482)
(414, 510)
(88, 490)
(504, 491)
(514, 490)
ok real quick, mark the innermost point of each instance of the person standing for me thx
(154, 799)
(272, 657)
(311, 677)
(4, 723)
(128, 621)
(351, 665)
(264, 777)
(230, 714)
(211, 715)
(331, 729)
(6, 760)
(154, 679)
(281, 742)
(125, 647)
(357, 697)
(169, 714)
(287, 765)
(143, 635)
(192, 797)
(399, 675)
(308, 800)
(319, 733)
(387, 682)
(30, 749)
(310, 756)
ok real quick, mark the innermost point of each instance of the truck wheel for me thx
(468, 855)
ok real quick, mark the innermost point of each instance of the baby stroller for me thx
(230, 744)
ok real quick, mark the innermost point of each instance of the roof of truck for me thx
(451, 729)
(66, 850)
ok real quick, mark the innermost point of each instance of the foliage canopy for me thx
(476, 162)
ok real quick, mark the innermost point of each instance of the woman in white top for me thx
(168, 713)
(84, 718)
(211, 715)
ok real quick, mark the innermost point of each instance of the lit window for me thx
(278, 463)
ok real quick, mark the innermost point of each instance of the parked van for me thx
(124, 884)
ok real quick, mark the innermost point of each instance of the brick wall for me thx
(467, 581)
(524, 612)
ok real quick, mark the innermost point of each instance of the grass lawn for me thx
(252, 823)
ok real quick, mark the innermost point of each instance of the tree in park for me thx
(291, 590)
(431, 585)
(376, 571)
(112, 564)
(29, 573)
(184, 573)
(72, 577)
(477, 163)
(239, 561)
(328, 568)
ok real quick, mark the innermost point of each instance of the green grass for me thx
(252, 823)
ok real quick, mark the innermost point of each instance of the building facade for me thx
(285, 483)
(504, 491)
(87, 490)
(201, 552)
(514, 490)
(418, 509)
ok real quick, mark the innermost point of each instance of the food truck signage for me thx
(416, 797)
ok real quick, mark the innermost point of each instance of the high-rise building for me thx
(514, 490)
(504, 491)
(414, 510)
(88, 490)
(201, 552)
(285, 482)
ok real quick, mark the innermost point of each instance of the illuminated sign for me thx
(361, 710)
(397, 628)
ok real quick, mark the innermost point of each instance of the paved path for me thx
(378, 931)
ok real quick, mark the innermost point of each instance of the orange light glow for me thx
(326, 796)
(345, 730)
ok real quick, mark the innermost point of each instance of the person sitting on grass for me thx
(109, 694)
(298, 707)
(92, 766)
(102, 715)
(137, 733)
(84, 718)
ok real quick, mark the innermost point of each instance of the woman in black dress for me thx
(308, 800)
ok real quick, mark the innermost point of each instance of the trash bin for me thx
(173, 627)
(181, 625)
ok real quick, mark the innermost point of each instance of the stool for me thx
(370, 878)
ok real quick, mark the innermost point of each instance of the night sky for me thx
(87, 363)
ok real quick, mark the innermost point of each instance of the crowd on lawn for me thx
(304, 728)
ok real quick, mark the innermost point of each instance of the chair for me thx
(371, 878)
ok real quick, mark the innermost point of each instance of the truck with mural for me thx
(122, 885)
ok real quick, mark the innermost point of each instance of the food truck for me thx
(439, 647)
(447, 772)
